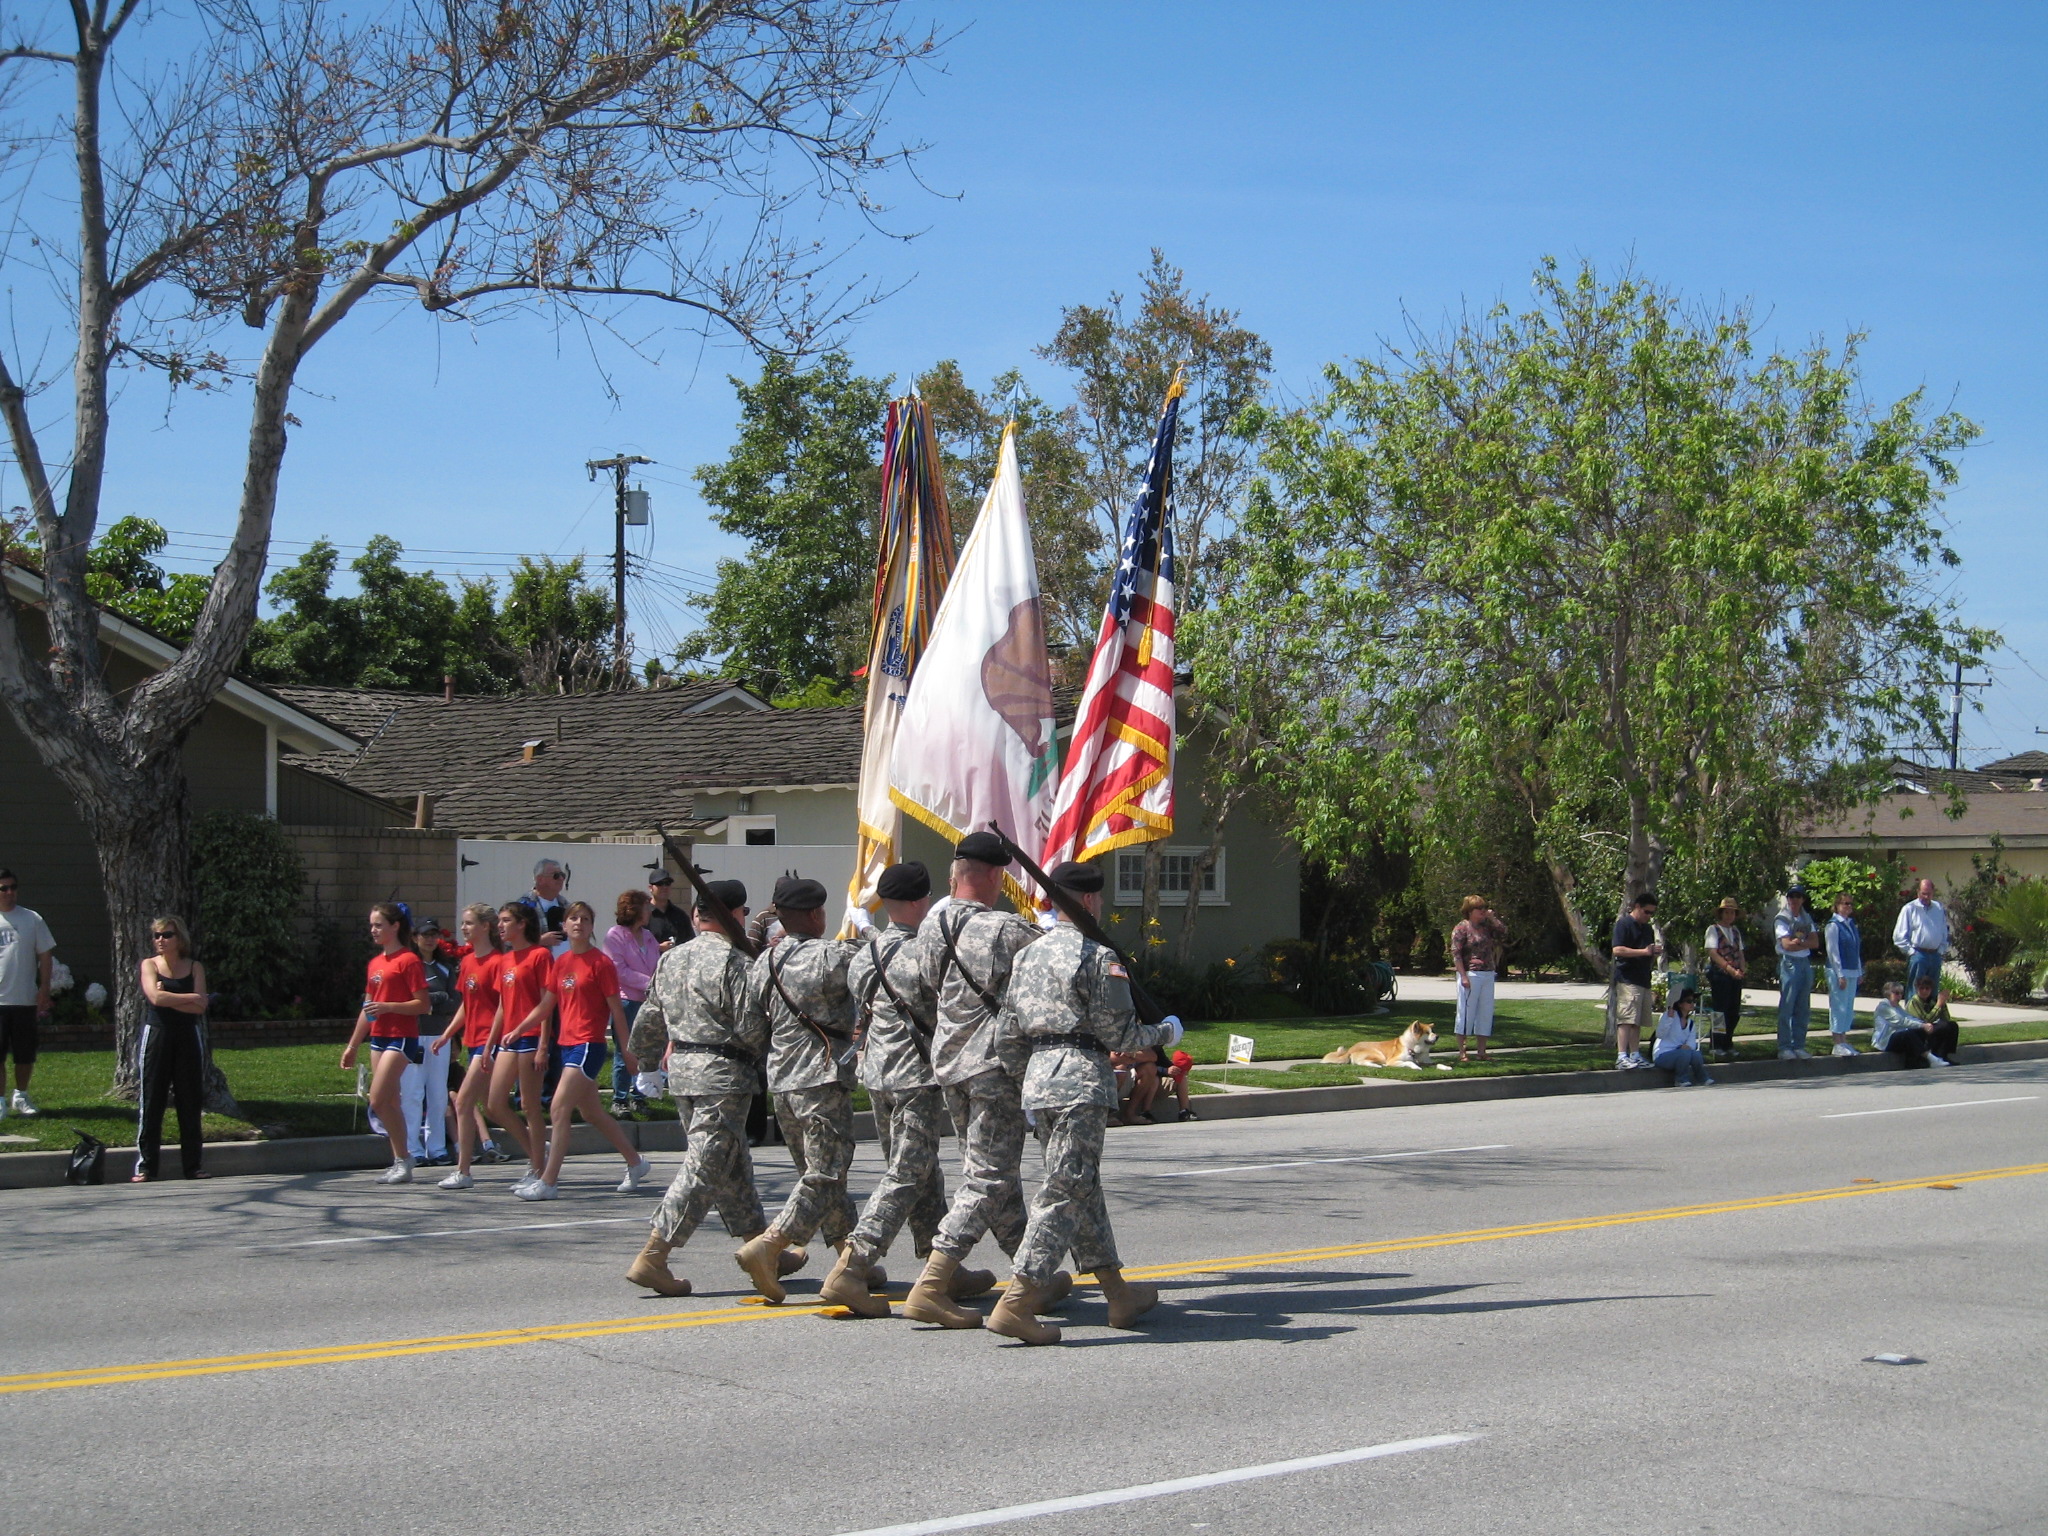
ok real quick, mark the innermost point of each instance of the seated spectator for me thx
(1131, 1068)
(1920, 1034)
(1678, 1043)
(1147, 1070)
(1182, 1064)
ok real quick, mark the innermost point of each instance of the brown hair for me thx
(580, 906)
(632, 907)
(1470, 905)
(392, 912)
(529, 919)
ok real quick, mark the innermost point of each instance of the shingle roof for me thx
(2024, 764)
(1901, 820)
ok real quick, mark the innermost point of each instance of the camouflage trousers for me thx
(818, 1125)
(909, 1122)
(1068, 1212)
(717, 1171)
(988, 1117)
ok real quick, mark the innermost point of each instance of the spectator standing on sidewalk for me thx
(634, 952)
(1845, 970)
(1726, 968)
(1921, 934)
(1798, 938)
(669, 923)
(27, 954)
(1636, 948)
(173, 1051)
(1477, 944)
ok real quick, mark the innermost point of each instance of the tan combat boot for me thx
(930, 1300)
(972, 1282)
(758, 1256)
(1016, 1315)
(791, 1259)
(1057, 1291)
(651, 1269)
(1127, 1302)
(848, 1286)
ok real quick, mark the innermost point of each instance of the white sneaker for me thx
(399, 1172)
(1621, 1063)
(635, 1177)
(1803, 1054)
(531, 1176)
(22, 1106)
(1788, 1055)
(1706, 1081)
(539, 1189)
(1845, 1049)
(458, 1181)
(1938, 1061)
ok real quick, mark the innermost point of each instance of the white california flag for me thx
(975, 744)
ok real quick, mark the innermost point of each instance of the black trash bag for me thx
(88, 1164)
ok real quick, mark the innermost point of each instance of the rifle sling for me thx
(825, 1031)
(946, 937)
(917, 1037)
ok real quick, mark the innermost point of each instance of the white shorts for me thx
(1475, 1004)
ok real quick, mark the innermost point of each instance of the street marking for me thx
(1161, 1490)
(1305, 1162)
(401, 1237)
(1907, 1109)
(342, 1354)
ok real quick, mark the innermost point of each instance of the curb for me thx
(337, 1154)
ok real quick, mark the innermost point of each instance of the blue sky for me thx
(1327, 170)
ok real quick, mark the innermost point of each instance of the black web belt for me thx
(744, 1057)
(1080, 1040)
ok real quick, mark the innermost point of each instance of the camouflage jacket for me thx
(1068, 985)
(812, 972)
(985, 943)
(698, 996)
(895, 1051)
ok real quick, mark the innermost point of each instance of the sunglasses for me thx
(8, 890)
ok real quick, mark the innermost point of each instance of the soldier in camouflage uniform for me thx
(897, 1012)
(696, 1000)
(796, 994)
(964, 953)
(1067, 1008)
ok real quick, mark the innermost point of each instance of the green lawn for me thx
(1280, 1039)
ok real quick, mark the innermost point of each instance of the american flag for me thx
(1117, 785)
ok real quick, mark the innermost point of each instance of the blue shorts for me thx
(587, 1059)
(525, 1043)
(410, 1044)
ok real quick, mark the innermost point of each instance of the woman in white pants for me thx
(1477, 944)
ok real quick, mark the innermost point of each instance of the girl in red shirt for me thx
(514, 1041)
(580, 1007)
(476, 983)
(394, 997)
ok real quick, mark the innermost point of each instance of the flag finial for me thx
(1179, 386)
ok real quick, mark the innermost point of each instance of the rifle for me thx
(708, 899)
(1146, 1006)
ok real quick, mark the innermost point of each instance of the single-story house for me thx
(1935, 820)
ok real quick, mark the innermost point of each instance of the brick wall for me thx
(348, 869)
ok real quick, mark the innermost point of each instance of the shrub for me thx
(1336, 983)
(1193, 995)
(2008, 983)
(246, 879)
(1978, 942)
(1877, 972)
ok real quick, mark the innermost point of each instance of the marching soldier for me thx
(696, 1000)
(898, 1011)
(964, 953)
(1068, 1006)
(796, 996)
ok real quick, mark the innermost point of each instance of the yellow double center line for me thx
(343, 1354)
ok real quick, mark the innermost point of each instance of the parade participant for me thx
(797, 991)
(476, 984)
(582, 999)
(897, 1012)
(524, 965)
(964, 954)
(393, 1000)
(697, 1001)
(1068, 1006)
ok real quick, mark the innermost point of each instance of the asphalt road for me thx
(1702, 1371)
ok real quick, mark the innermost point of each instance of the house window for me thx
(1176, 870)
(752, 831)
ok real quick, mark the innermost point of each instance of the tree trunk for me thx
(141, 825)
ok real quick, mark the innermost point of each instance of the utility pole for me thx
(627, 506)
(1955, 718)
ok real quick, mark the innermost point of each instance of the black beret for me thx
(793, 893)
(983, 848)
(904, 882)
(1071, 876)
(731, 892)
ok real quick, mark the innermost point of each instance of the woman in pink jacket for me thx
(634, 954)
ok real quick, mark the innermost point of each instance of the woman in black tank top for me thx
(173, 1050)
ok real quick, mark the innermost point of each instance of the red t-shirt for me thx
(522, 979)
(584, 986)
(398, 978)
(477, 985)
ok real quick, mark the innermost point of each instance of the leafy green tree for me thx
(1665, 590)
(555, 628)
(121, 572)
(802, 486)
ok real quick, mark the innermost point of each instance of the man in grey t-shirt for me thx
(25, 951)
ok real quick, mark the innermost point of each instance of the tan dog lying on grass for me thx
(1411, 1049)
